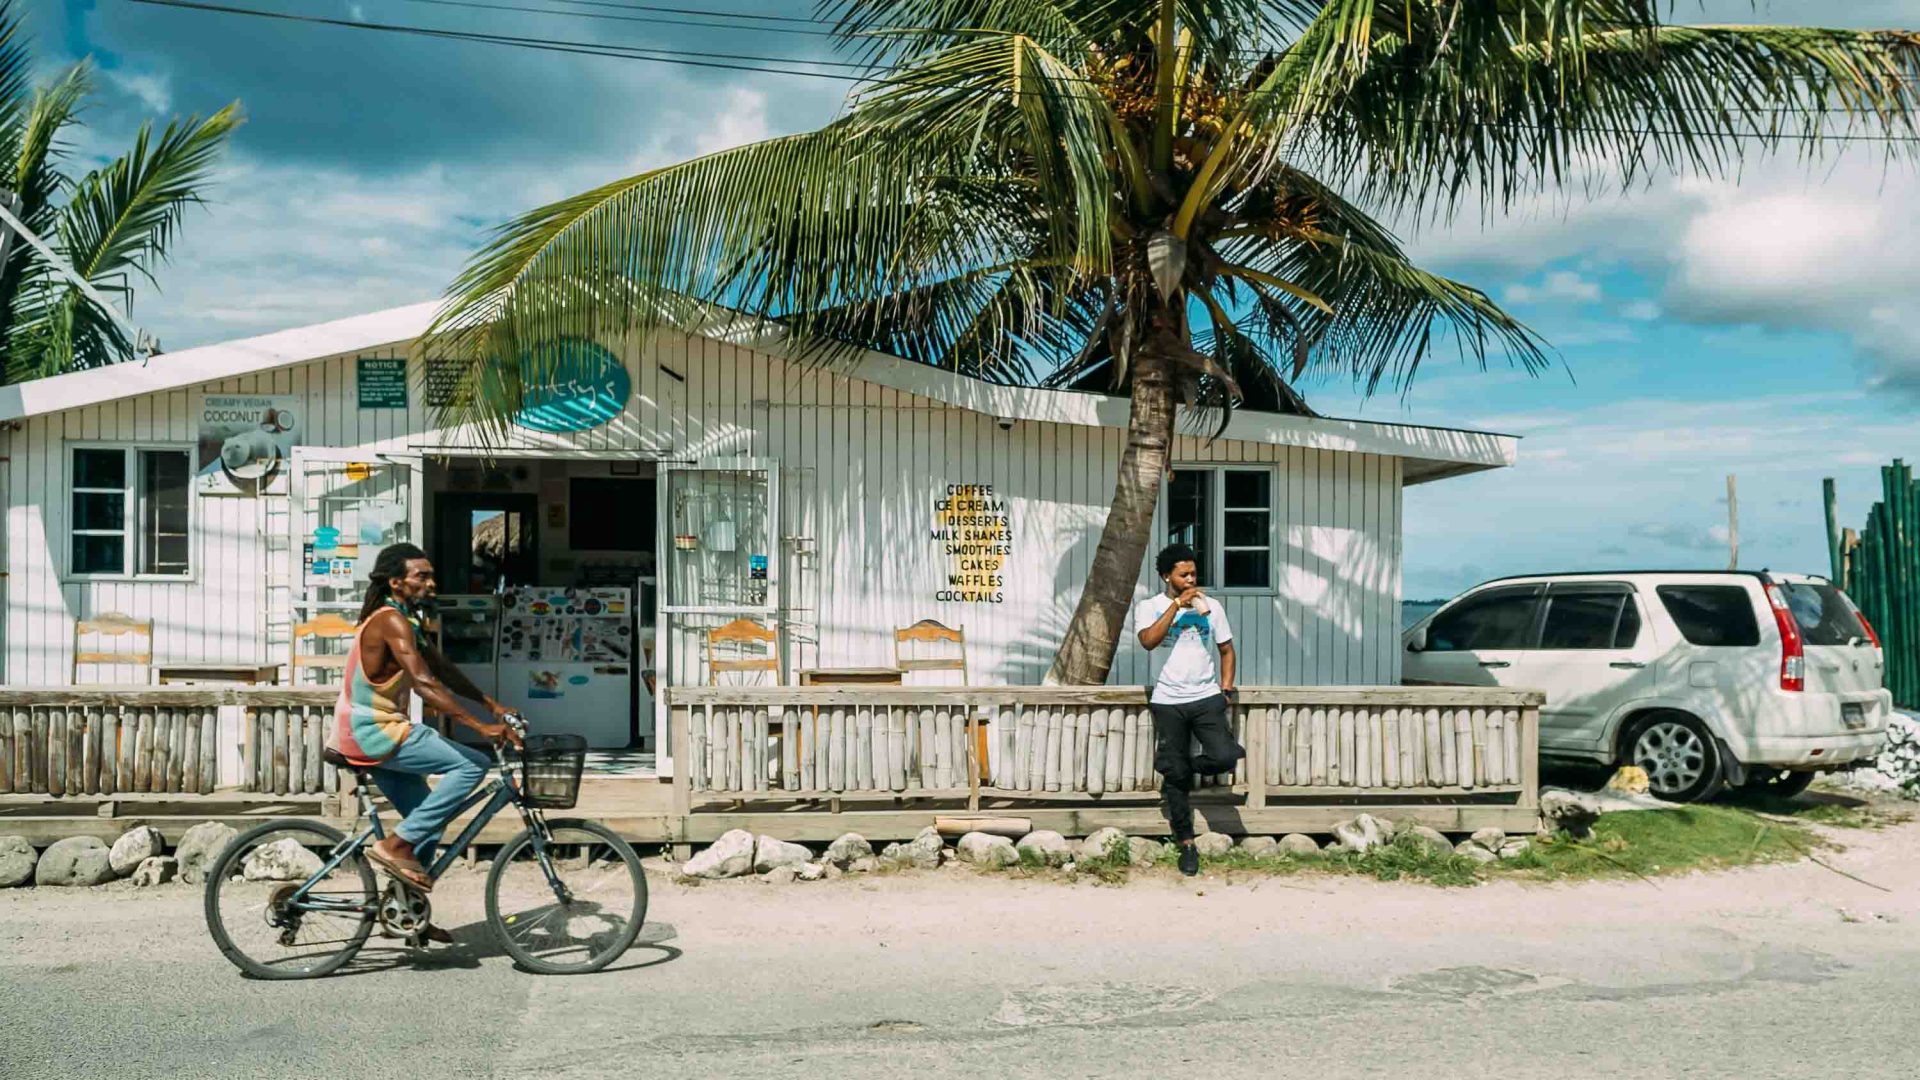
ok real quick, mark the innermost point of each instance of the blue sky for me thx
(1768, 328)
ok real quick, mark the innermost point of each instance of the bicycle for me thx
(556, 897)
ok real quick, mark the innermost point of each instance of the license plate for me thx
(1853, 715)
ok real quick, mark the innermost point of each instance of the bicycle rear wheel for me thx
(249, 894)
(571, 905)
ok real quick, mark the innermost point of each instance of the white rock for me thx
(1476, 853)
(135, 846)
(1567, 811)
(783, 874)
(983, 849)
(1490, 838)
(1299, 844)
(1144, 852)
(17, 859)
(200, 848)
(863, 866)
(1100, 844)
(812, 871)
(286, 859)
(156, 871)
(769, 853)
(1047, 846)
(849, 847)
(923, 851)
(1515, 848)
(1361, 834)
(1260, 847)
(1213, 844)
(1430, 839)
(728, 857)
(77, 860)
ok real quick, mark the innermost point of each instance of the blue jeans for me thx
(403, 778)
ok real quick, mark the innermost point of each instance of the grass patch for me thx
(1834, 813)
(1649, 843)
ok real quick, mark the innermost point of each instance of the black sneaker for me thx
(1189, 859)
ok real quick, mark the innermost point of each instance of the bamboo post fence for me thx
(1879, 567)
(68, 741)
(1070, 743)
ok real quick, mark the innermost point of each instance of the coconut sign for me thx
(571, 385)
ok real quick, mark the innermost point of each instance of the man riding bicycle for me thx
(391, 660)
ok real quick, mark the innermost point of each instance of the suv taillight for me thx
(1793, 659)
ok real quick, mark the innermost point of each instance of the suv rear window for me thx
(1824, 615)
(1716, 615)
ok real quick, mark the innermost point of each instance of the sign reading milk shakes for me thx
(974, 532)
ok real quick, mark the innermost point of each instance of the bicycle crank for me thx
(405, 913)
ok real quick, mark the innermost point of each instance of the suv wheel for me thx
(1680, 756)
(1778, 783)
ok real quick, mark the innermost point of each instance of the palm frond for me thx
(16, 74)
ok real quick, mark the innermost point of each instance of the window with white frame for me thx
(131, 512)
(1226, 515)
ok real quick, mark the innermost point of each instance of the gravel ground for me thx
(1788, 971)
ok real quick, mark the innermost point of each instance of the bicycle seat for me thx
(339, 760)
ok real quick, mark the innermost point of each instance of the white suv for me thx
(1705, 678)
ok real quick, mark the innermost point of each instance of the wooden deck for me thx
(811, 763)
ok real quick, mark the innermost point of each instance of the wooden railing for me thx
(84, 740)
(742, 743)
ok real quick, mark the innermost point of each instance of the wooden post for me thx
(679, 730)
(975, 768)
(210, 750)
(1733, 525)
(1530, 757)
(1257, 741)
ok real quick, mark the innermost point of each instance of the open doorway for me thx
(484, 539)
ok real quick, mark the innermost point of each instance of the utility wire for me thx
(757, 64)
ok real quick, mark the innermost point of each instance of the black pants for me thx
(1175, 728)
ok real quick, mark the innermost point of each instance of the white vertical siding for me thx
(862, 467)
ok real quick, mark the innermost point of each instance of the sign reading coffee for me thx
(974, 530)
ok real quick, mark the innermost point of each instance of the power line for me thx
(756, 64)
(647, 19)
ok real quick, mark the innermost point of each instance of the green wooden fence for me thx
(1880, 568)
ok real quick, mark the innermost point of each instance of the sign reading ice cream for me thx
(975, 533)
(246, 443)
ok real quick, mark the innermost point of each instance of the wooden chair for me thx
(746, 638)
(323, 627)
(113, 625)
(910, 646)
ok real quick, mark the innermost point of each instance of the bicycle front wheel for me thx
(255, 918)
(570, 903)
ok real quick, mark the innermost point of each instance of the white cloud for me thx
(1692, 538)
(154, 92)
(1559, 285)
(1640, 311)
(742, 120)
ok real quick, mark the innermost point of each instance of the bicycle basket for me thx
(550, 770)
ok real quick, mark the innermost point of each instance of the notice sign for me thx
(974, 532)
(383, 383)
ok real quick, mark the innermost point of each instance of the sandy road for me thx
(1778, 972)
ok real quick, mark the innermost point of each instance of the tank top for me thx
(371, 719)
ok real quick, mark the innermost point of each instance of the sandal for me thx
(415, 876)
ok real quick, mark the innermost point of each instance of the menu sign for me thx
(974, 532)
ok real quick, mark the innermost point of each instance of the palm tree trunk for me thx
(1100, 619)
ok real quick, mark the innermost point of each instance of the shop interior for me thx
(547, 581)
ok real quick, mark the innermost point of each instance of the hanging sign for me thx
(584, 386)
(382, 383)
(974, 531)
(246, 442)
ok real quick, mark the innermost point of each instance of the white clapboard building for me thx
(221, 498)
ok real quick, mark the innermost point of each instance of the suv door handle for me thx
(1495, 663)
(1628, 664)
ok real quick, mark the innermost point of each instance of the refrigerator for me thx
(566, 660)
(468, 634)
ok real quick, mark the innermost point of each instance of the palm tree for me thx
(1163, 198)
(112, 224)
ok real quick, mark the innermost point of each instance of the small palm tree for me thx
(1163, 198)
(111, 225)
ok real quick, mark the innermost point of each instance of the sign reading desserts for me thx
(974, 532)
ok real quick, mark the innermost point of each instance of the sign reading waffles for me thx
(975, 532)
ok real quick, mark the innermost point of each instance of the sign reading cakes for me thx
(975, 533)
(246, 442)
(571, 385)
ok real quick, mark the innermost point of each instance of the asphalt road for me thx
(1784, 972)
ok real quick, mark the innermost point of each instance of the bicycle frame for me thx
(497, 794)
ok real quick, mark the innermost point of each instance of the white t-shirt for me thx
(1188, 673)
